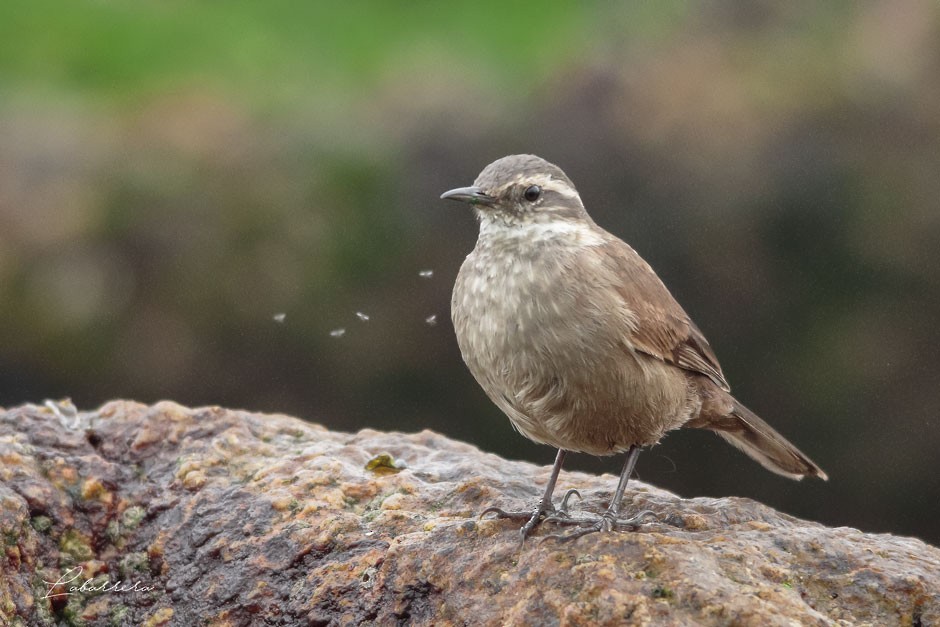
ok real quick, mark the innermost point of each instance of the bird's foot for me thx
(544, 511)
(532, 518)
(562, 514)
(608, 521)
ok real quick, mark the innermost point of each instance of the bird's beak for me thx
(472, 195)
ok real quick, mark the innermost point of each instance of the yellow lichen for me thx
(159, 618)
(93, 489)
(194, 480)
(383, 464)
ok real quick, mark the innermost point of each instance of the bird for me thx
(576, 339)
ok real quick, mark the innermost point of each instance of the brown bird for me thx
(571, 333)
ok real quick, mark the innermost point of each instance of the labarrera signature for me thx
(89, 585)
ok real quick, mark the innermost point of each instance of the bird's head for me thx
(520, 190)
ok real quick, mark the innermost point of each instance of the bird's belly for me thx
(556, 362)
(601, 409)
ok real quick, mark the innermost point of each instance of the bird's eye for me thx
(532, 193)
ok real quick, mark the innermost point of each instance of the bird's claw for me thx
(501, 513)
(607, 522)
(564, 500)
(634, 521)
(527, 528)
(561, 515)
(532, 518)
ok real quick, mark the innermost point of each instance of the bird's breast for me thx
(524, 305)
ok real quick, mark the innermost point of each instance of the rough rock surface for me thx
(212, 516)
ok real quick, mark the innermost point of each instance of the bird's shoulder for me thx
(661, 328)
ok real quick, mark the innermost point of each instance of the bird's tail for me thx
(744, 430)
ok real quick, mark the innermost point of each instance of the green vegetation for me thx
(273, 52)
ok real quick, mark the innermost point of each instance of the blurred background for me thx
(203, 202)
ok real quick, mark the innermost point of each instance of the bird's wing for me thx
(661, 327)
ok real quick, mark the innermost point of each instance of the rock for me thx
(165, 515)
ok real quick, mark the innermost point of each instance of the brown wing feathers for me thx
(663, 329)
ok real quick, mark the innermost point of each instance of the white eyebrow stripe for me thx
(546, 182)
(560, 187)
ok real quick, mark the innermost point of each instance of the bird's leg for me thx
(610, 519)
(544, 507)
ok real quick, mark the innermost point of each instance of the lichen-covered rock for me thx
(165, 515)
